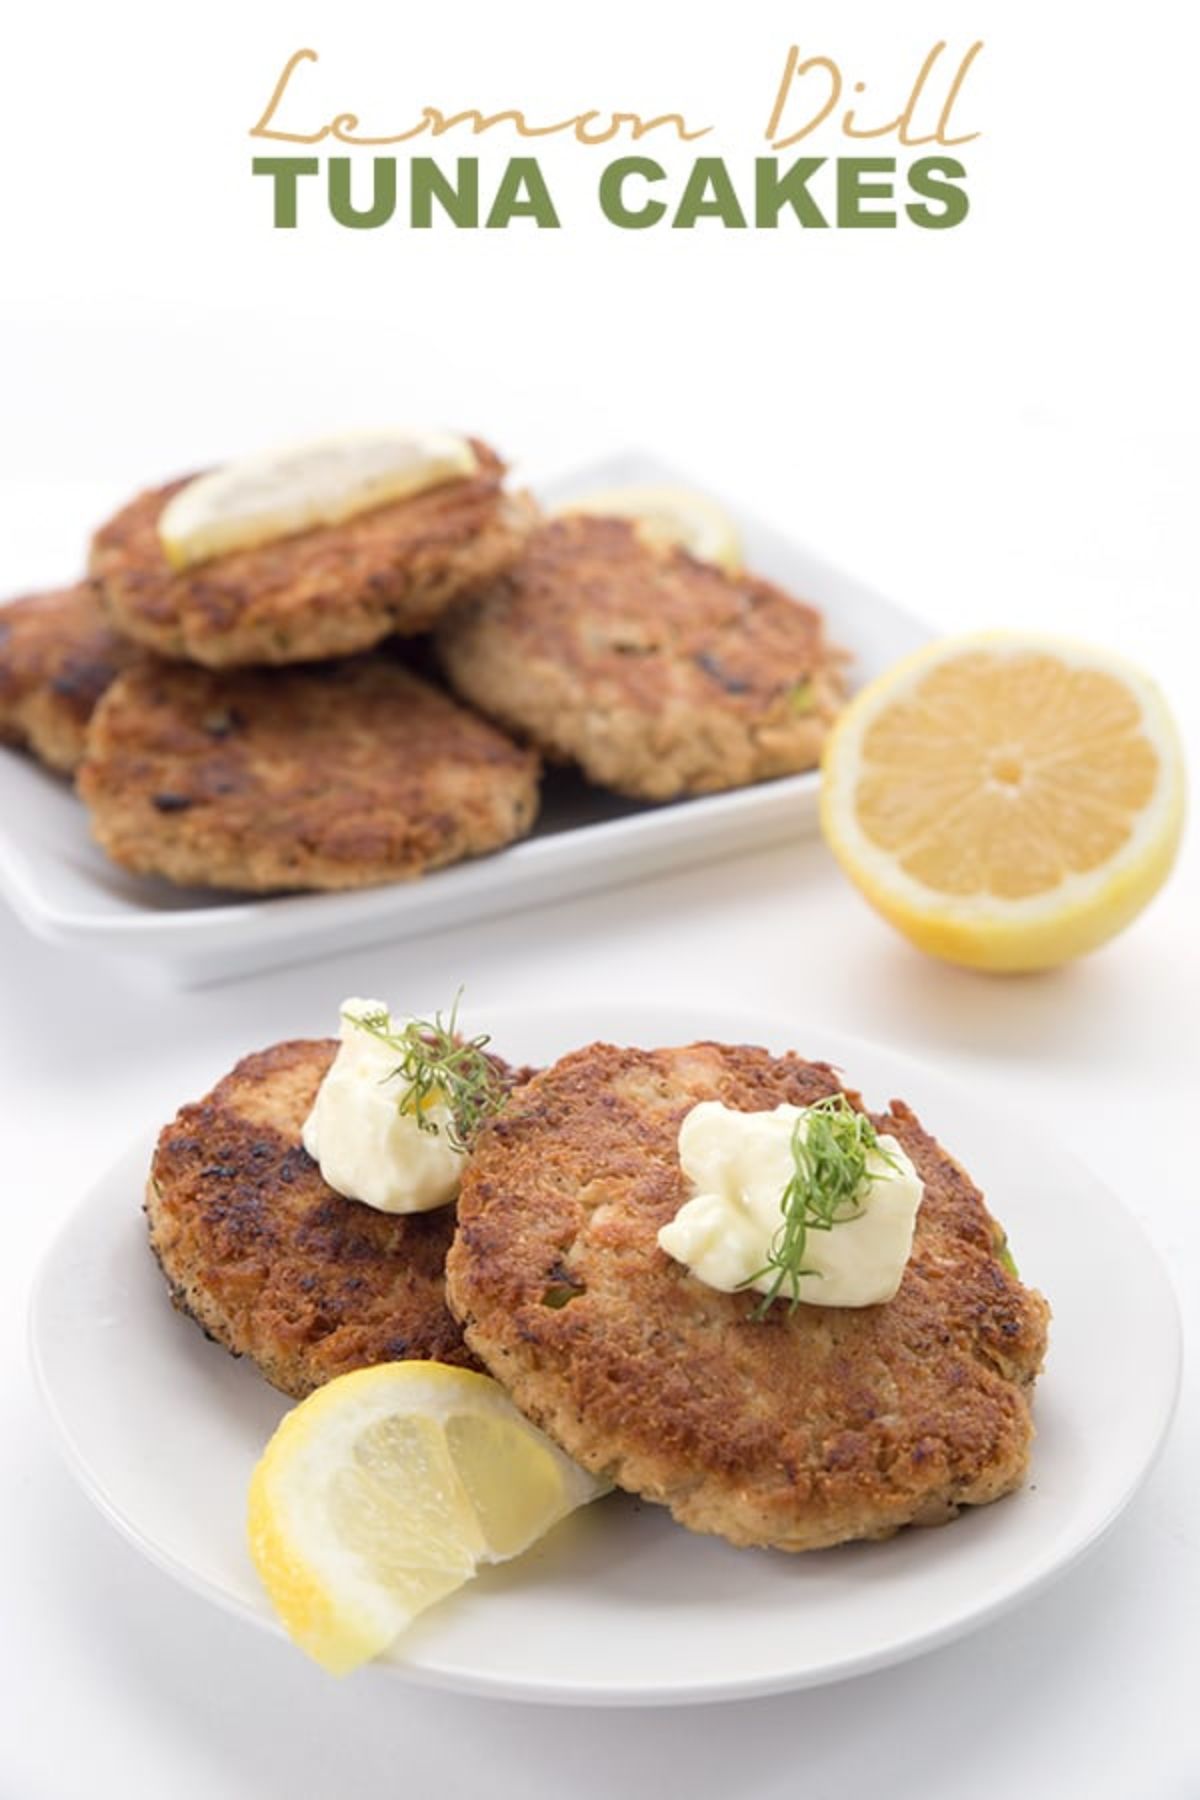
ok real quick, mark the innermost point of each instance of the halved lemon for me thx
(385, 1490)
(1008, 801)
(671, 516)
(277, 493)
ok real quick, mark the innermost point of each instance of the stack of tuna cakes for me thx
(260, 716)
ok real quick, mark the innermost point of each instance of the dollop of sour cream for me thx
(366, 1147)
(739, 1165)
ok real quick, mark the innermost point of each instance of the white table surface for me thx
(115, 1681)
(994, 427)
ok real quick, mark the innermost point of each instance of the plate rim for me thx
(662, 1694)
(83, 927)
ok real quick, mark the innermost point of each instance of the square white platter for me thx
(66, 891)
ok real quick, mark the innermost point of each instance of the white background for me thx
(994, 424)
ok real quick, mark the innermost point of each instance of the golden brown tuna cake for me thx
(343, 775)
(658, 674)
(58, 653)
(331, 591)
(268, 1259)
(798, 1430)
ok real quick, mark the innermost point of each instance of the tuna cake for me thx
(795, 1430)
(658, 674)
(327, 592)
(268, 1259)
(58, 653)
(340, 776)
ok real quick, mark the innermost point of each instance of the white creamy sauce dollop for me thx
(366, 1147)
(739, 1166)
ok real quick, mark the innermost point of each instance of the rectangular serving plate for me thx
(67, 892)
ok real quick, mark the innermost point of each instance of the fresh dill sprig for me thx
(830, 1146)
(435, 1063)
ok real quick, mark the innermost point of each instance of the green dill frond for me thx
(435, 1063)
(830, 1145)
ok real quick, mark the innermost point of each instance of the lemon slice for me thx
(385, 1490)
(671, 516)
(1007, 801)
(280, 492)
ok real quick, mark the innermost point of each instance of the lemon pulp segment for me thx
(279, 493)
(386, 1490)
(670, 516)
(1008, 801)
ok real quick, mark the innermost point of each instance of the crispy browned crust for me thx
(322, 593)
(268, 1259)
(58, 653)
(658, 674)
(340, 776)
(798, 1431)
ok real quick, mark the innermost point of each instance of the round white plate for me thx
(620, 1605)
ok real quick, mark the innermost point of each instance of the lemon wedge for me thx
(671, 516)
(1008, 801)
(386, 1490)
(277, 493)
